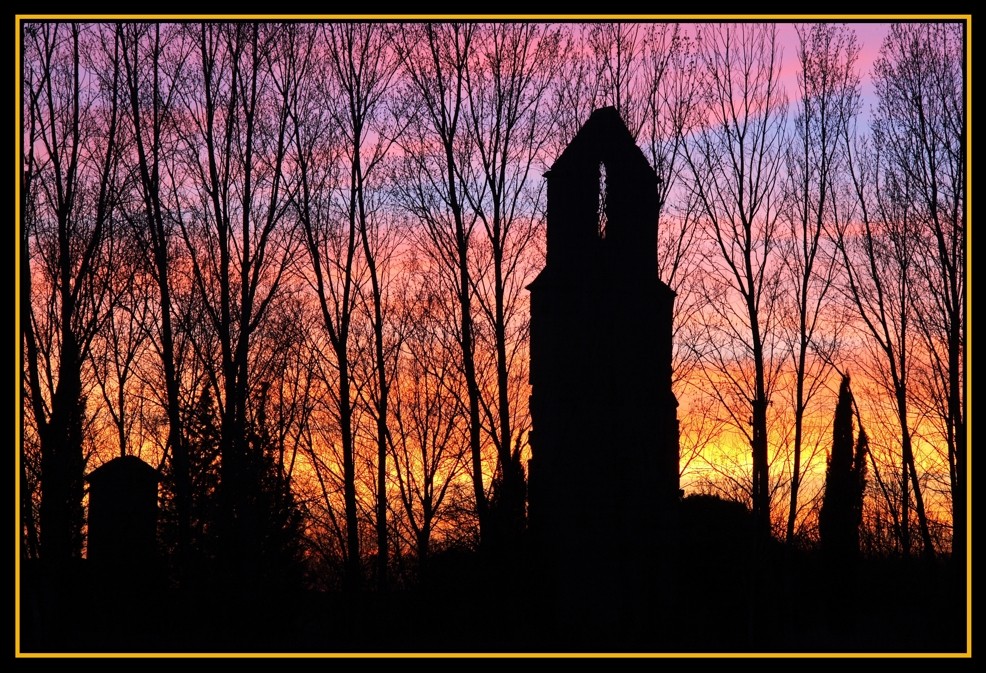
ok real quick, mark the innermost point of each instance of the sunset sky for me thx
(319, 302)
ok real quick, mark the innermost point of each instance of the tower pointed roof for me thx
(603, 138)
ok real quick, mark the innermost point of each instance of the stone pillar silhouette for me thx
(125, 567)
(604, 482)
(122, 514)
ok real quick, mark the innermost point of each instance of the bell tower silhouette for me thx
(604, 468)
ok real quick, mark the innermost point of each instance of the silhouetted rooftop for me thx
(131, 466)
(603, 137)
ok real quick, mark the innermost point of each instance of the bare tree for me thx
(670, 101)
(284, 366)
(363, 67)
(618, 54)
(602, 64)
(670, 97)
(154, 59)
(70, 187)
(234, 150)
(118, 347)
(509, 122)
(430, 441)
(921, 128)
(328, 135)
(736, 162)
(429, 184)
(877, 244)
(829, 94)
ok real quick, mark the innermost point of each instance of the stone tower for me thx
(604, 468)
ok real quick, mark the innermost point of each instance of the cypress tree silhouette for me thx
(842, 506)
(202, 446)
(275, 553)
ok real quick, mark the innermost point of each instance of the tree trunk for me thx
(928, 550)
(62, 463)
(149, 172)
(799, 414)
(761, 486)
(353, 566)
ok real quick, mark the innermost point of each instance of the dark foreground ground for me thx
(471, 603)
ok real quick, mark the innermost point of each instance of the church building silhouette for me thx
(603, 477)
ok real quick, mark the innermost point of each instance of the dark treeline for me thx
(285, 264)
